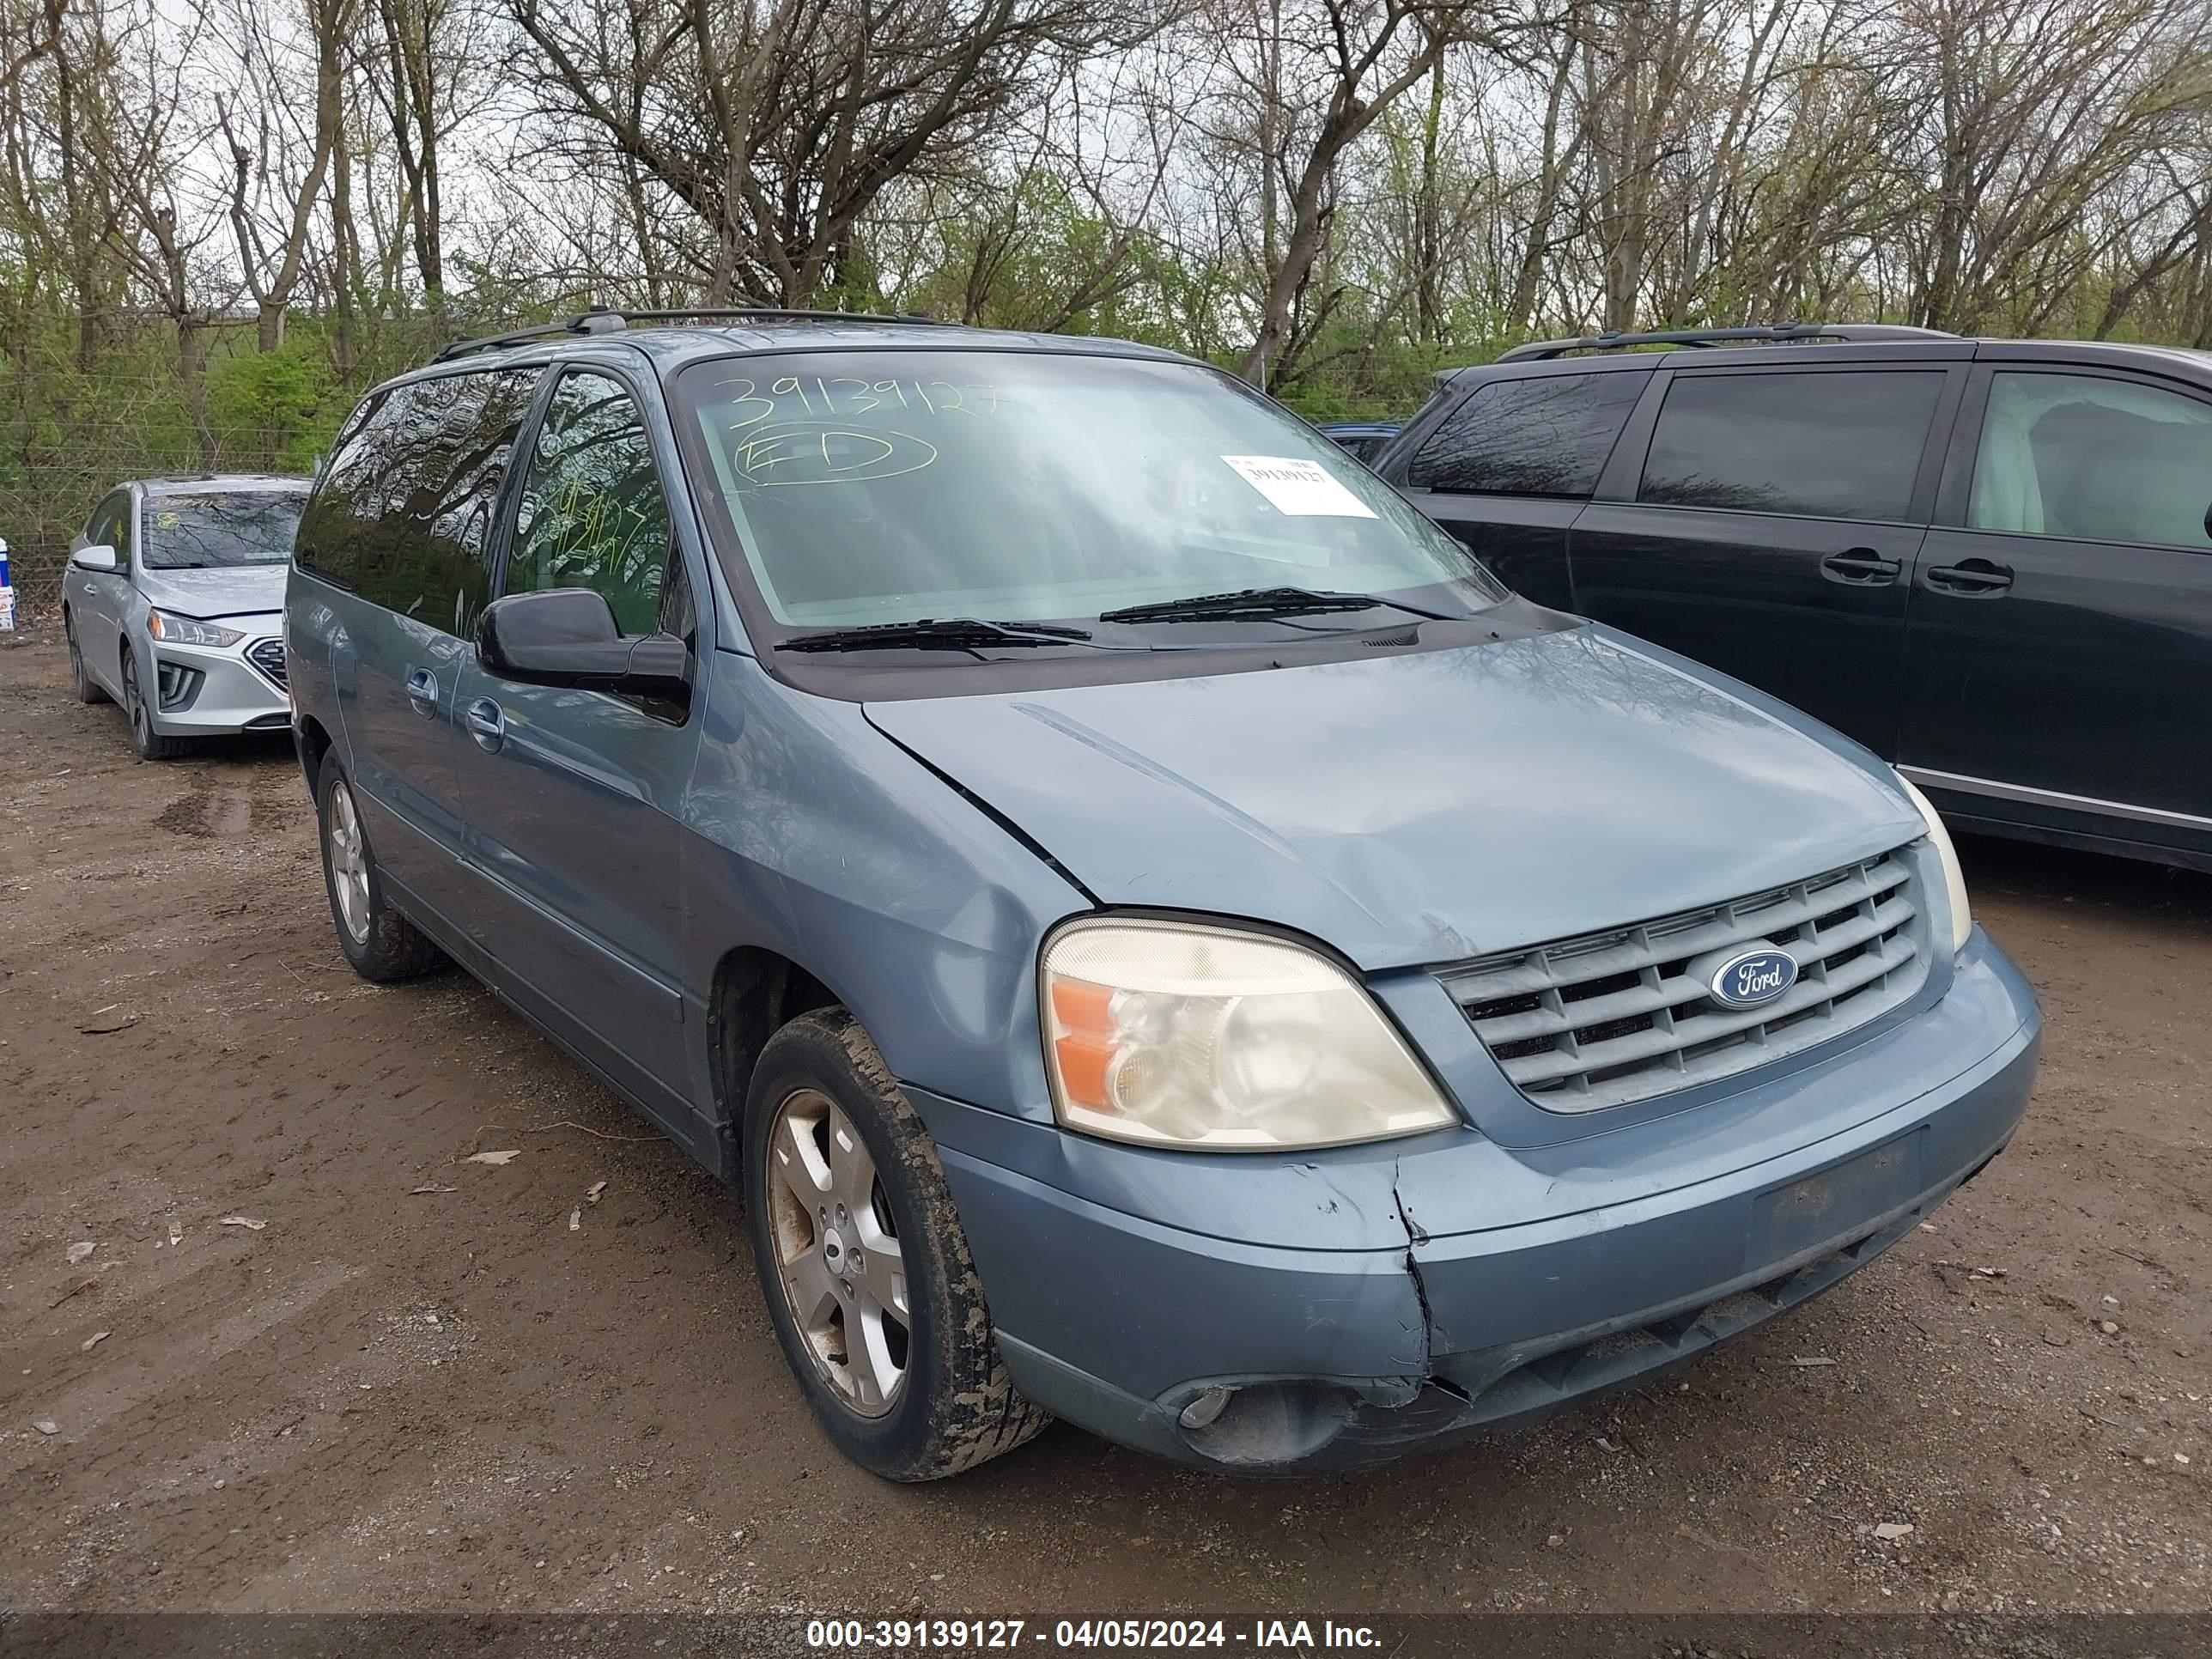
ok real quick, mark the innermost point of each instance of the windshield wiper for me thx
(937, 634)
(1259, 602)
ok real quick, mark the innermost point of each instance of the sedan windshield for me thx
(232, 526)
(896, 486)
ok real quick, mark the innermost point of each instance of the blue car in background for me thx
(1362, 439)
(1155, 933)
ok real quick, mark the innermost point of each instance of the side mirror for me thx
(97, 556)
(566, 636)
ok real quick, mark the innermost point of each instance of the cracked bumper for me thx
(1118, 1320)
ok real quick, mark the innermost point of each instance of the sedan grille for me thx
(1612, 1017)
(267, 656)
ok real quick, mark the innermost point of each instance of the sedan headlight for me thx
(1954, 881)
(1177, 1035)
(183, 631)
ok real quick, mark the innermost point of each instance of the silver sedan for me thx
(174, 604)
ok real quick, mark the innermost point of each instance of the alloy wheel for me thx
(349, 865)
(838, 1261)
(134, 703)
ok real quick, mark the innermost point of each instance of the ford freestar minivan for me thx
(1157, 935)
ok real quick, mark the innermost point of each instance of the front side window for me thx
(220, 527)
(109, 527)
(344, 504)
(1546, 435)
(592, 514)
(1837, 445)
(2099, 459)
(899, 486)
(403, 514)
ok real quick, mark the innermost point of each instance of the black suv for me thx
(1989, 560)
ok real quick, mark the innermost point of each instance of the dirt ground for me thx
(414, 1383)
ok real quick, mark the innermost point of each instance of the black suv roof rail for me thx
(1776, 333)
(610, 321)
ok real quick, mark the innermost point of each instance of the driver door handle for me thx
(487, 723)
(1860, 567)
(422, 692)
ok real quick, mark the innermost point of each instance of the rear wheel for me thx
(870, 1285)
(83, 686)
(150, 745)
(381, 944)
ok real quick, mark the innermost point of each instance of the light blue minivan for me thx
(1156, 934)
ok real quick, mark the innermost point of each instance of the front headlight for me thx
(183, 631)
(1177, 1035)
(1955, 882)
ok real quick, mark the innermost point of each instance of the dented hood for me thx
(1421, 807)
(231, 590)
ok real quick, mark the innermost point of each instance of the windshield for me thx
(893, 486)
(233, 527)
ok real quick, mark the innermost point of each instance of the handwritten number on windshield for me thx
(792, 397)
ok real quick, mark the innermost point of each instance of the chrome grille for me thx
(1612, 1017)
(267, 656)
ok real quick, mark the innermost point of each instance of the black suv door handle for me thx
(1972, 579)
(1860, 567)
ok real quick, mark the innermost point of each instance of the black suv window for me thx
(2088, 456)
(592, 514)
(1547, 435)
(403, 514)
(1840, 445)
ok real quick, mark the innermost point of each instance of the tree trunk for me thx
(192, 376)
(344, 257)
(1428, 219)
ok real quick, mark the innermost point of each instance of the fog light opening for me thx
(175, 684)
(1205, 1406)
(1256, 1425)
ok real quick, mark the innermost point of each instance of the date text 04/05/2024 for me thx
(893, 1635)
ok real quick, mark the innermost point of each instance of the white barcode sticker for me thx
(1298, 488)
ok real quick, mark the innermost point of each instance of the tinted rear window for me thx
(404, 513)
(220, 527)
(1546, 435)
(1833, 446)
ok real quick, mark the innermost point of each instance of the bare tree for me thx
(2033, 112)
(779, 122)
(278, 164)
(1302, 81)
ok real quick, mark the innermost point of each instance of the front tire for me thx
(381, 944)
(83, 686)
(867, 1273)
(149, 743)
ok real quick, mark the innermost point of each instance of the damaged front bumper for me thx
(1291, 1314)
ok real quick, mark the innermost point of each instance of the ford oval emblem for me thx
(1753, 977)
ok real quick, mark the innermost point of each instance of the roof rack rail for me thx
(606, 320)
(1777, 333)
